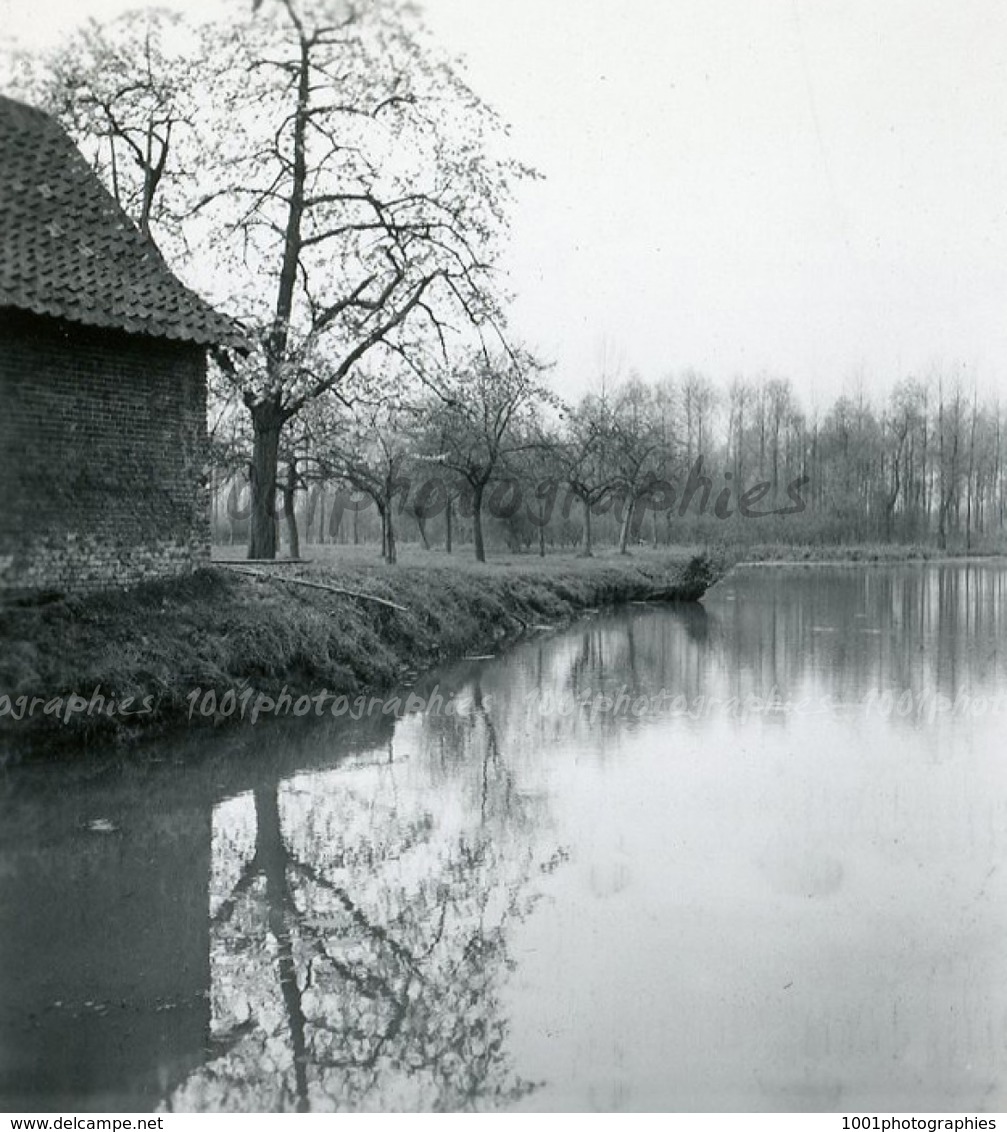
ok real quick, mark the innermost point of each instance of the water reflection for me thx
(846, 632)
(360, 928)
(914, 647)
(104, 944)
(668, 858)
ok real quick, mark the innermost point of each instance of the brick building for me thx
(102, 380)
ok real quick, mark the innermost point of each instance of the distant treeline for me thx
(677, 461)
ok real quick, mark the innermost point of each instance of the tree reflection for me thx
(829, 636)
(835, 631)
(360, 957)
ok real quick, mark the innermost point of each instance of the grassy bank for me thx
(221, 630)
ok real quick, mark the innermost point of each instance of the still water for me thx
(746, 856)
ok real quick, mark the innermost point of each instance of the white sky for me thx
(815, 188)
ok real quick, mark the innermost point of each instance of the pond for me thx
(744, 856)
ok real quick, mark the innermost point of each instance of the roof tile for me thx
(68, 250)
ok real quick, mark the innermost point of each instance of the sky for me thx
(813, 189)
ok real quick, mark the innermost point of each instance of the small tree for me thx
(480, 421)
(539, 469)
(370, 447)
(638, 450)
(586, 459)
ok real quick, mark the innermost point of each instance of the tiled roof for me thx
(68, 250)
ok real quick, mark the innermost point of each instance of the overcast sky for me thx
(814, 188)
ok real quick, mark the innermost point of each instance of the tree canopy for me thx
(322, 171)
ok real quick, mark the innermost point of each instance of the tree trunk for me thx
(626, 526)
(477, 522)
(447, 527)
(391, 555)
(942, 519)
(323, 517)
(271, 854)
(421, 523)
(266, 425)
(310, 510)
(585, 548)
(968, 487)
(289, 511)
(541, 537)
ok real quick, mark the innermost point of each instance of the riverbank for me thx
(120, 665)
(781, 554)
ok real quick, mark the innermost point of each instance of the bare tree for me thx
(588, 468)
(127, 93)
(370, 448)
(347, 197)
(480, 420)
(638, 448)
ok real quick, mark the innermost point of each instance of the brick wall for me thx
(102, 457)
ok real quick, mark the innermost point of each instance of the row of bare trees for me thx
(673, 461)
(926, 463)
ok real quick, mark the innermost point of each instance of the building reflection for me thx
(105, 930)
(104, 994)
